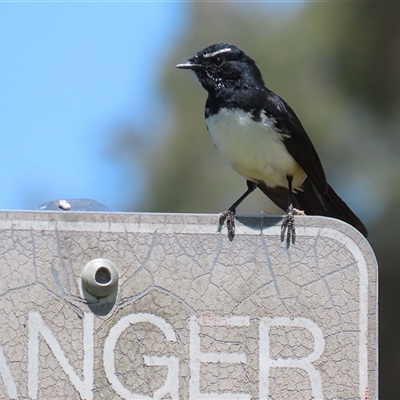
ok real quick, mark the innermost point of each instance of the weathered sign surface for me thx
(193, 316)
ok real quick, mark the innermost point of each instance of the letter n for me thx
(37, 326)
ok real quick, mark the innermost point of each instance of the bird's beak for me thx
(189, 64)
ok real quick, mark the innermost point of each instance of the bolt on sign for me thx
(138, 306)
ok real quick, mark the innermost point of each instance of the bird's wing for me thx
(296, 140)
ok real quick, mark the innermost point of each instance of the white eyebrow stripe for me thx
(227, 50)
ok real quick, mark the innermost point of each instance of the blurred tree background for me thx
(338, 65)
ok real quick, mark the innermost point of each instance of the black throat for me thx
(249, 98)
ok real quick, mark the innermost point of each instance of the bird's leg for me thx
(288, 221)
(229, 215)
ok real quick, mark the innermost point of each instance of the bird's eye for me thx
(217, 61)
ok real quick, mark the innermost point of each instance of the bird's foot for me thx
(288, 225)
(229, 217)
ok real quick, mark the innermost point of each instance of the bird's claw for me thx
(288, 226)
(229, 217)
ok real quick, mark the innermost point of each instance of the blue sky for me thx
(69, 73)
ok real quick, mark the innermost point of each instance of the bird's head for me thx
(223, 66)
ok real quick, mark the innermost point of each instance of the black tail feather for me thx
(328, 204)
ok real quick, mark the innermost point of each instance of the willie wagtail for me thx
(263, 140)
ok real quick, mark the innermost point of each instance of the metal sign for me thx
(138, 306)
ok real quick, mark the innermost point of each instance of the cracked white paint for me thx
(197, 356)
(196, 316)
(306, 363)
(170, 386)
(36, 327)
(8, 380)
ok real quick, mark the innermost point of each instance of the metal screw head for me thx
(100, 277)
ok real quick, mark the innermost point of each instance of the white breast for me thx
(253, 149)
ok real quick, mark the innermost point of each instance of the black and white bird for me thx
(263, 140)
